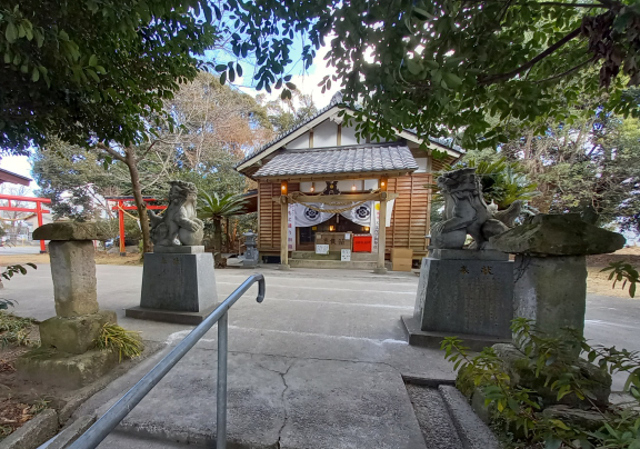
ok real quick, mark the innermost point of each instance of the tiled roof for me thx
(347, 159)
(287, 133)
(335, 101)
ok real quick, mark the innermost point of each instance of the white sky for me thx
(306, 84)
(19, 165)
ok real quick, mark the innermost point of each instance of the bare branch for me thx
(113, 153)
(505, 76)
(576, 5)
(143, 155)
(571, 70)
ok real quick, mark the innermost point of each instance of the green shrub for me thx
(116, 338)
(516, 409)
(625, 273)
(15, 330)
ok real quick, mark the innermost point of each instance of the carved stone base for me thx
(178, 282)
(470, 297)
(429, 339)
(183, 249)
(168, 316)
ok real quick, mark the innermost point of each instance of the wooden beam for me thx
(340, 199)
(284, 246)
(382, 237)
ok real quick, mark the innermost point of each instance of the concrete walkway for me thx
(318, 364)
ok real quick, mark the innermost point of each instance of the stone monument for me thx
(466, 293)
(251, 257)
(67, 353)
(178, 278)
(550, 268)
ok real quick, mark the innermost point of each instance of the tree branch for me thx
(113, 153)
(567, 72)
(576, 5)
(505, 76)
(143, 155)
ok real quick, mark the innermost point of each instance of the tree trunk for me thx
(228, 236)
(217, 241)
(136, 189)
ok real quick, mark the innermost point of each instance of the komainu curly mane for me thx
(179, 224)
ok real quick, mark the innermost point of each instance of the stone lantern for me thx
(67, 351)
(550, 271)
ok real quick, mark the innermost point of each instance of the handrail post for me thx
(107, 422)
(221, 410)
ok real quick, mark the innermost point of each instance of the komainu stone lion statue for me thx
(466, 212)
(179, 224)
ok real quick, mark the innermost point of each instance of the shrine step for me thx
(352, 265)
(333, 255)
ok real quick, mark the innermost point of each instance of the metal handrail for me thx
(103, 426)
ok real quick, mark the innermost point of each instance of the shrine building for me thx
(321, 190)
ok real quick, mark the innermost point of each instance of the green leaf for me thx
(11, 33)
(413, 66)
(93, 61)
(422, 14)
(452, 79)
(552, 443)
(35, 75)
(223, 78)
(93, 75)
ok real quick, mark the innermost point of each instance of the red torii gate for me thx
(121, 208)
(38, 210)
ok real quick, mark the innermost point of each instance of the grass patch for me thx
(15, 330)
(113, 337)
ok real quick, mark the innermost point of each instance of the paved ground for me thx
(13, 250)
(319, 360)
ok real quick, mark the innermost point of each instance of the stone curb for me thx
(70, 433)
(473, 433)
(35, 432)
(31, 435)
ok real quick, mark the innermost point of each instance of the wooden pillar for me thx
(123, 250)
(382, 234)
(284, 233)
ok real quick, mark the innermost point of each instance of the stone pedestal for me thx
(551, 291)
(463, 293)
(178, 286)
(74, 335)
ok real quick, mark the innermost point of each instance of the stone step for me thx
(433, 417)
(333, 255)
(335, 264)
(446, 419)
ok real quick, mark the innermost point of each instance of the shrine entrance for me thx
(340, 227)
